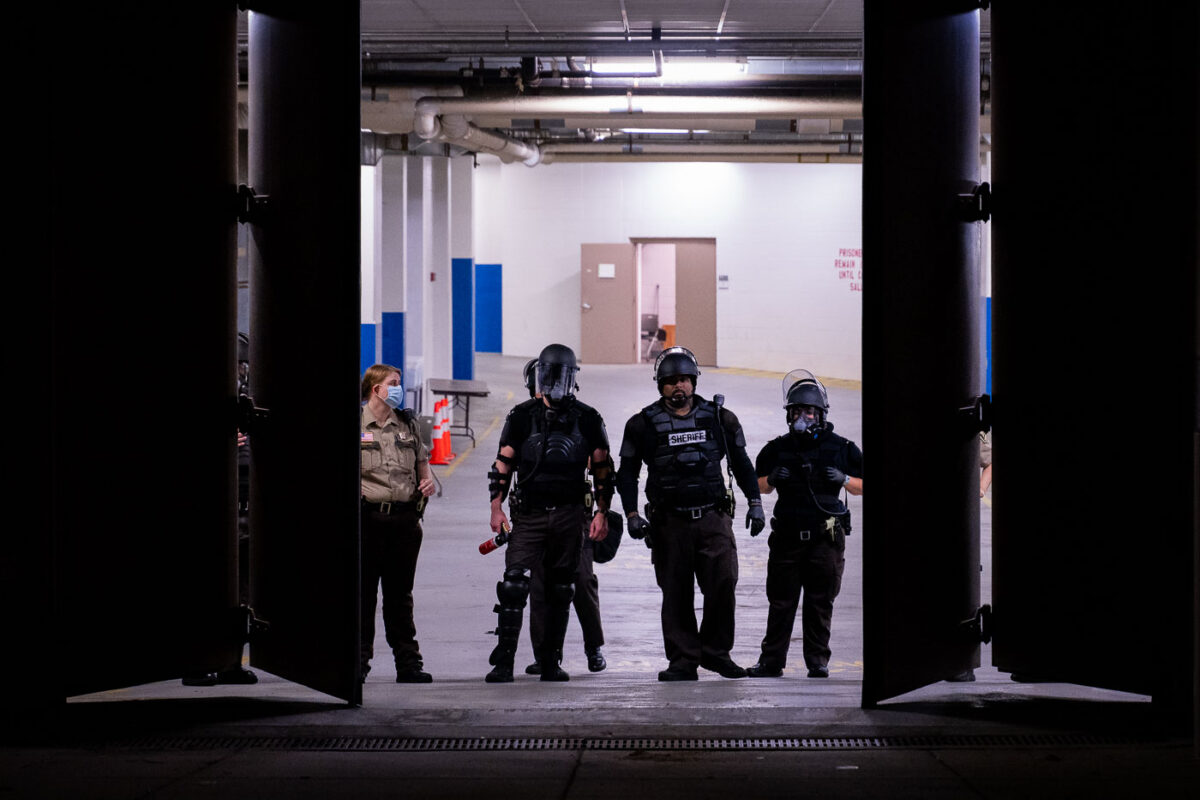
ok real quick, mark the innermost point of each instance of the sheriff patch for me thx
(690, 437)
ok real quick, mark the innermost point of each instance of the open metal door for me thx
(608, 285)
(1095, 350)
(304, 145)
(921, 307)
(134, 570)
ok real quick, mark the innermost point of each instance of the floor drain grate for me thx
(363, 744)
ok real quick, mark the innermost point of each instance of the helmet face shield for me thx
(805, 401)
(556, 382)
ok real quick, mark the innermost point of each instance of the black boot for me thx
(549, 669)
(502, 666)
(511, 592)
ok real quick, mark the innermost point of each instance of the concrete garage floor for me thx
(618, 732)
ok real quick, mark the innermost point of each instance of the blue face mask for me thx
(395, 397)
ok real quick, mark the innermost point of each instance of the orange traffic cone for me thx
(447, 421)
(438, 456)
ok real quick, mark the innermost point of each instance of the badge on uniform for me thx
(688, 437)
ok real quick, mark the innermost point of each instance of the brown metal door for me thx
(696, 298)
(608, 281)
(921, 351)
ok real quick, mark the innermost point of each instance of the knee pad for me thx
(513, 589)
(560, 594)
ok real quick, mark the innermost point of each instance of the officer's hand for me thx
(638, 527)
(756, 520)
(498, 519)
(835, 475)
(598, 530)
(779, 475)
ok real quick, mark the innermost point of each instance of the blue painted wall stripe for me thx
(489, 319)
(366, 346)
(987, 315)
(393, 339)
(462, 318)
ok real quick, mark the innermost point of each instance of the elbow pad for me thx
(499, 482)
(605, 486)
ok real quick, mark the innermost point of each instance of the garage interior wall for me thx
(789, 239)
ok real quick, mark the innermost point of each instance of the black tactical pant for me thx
(586, 602)
(548, 543)
(390, 545)
(688, 552)
(811, 566)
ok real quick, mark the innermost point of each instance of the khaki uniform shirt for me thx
(390, 455)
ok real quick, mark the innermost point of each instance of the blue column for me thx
(462, 271)
(489, 317)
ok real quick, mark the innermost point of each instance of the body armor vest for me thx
(685, 468)
(807, 465)
(553, 458)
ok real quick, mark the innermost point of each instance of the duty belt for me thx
(695, 512)
(391, 507)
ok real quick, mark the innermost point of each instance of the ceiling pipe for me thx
(445, 118)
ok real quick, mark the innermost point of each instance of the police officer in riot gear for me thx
(682, 438)
(587, 587)
(548, 441)
(809, 466)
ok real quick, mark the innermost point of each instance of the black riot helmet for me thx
(530, 376)
(555, 373)
(673, 362)
(801, 388)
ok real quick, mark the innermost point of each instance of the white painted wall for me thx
(779, 229)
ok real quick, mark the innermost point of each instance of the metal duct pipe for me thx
(458, 130)
(606, 106)
(445, 118)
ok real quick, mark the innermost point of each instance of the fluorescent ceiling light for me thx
(645, 67)
(703, 70)
(662, 130)
(697, 70)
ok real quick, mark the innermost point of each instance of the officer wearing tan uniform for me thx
(395, 482)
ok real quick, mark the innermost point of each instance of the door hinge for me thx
(249, 627)
(977, 417)
(976, 206)
(979, 627)
(249, 417)
(251, 207)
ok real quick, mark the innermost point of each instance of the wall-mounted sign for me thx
(848, 264)
(606, 271)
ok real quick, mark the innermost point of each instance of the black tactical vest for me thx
(553, 459)
(807, 465)
(685, 464)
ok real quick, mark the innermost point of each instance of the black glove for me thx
(756, 520)
(638, 527)
(835, 475)
(778, 476)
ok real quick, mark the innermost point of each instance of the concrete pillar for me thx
(371, 205)
(393, 277)
(462, 265)
(416, 335)
(439, 266)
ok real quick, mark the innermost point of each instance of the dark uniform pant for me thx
(390, 545)
(686, 552)
(548, 543)
(586, 602)
(814, 568)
